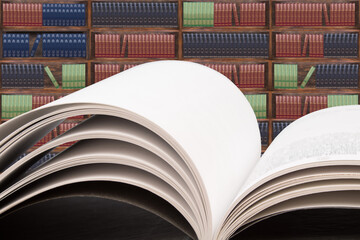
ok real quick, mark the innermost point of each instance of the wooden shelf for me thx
(304, 63)
(36, 90)
(44, 29)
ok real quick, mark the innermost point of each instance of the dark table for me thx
(98, 218)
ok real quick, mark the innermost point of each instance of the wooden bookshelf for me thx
(270, 28)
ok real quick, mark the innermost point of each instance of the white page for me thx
(198, 111)
(331, 134)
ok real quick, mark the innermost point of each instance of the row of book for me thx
(258, 104)
(278, 127)
(73, 76)
(134, 14)
(310, 14)
(47, 14)
(103, 71)
(15, 45)
(32, 76)
(225, 45)
(320, 45)
(22, 76)
(264, 132)
(341, 44)
(290, 107)
(210, 14)
(337, 76)
(53, 45)
(248, 75)
(64, 45)
(14, 105)
(285, 76)
(289, 45)
(138, 45)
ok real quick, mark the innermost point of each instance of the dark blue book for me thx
(4, 76)
(66, 44)
(326, 45)
(5, 45)
(83, 45)
(35, 45)
(45, 14)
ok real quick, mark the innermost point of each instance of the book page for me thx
(327, 135)
(200, 113)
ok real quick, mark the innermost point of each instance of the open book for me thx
(184, 133)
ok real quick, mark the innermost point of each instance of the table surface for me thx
(97, 218)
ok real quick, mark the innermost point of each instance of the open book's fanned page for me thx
(177, 129)
(315, 155)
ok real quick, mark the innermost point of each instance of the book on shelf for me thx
(337, 76)
(202, 45)
(285, 76)
(22, 76)
(192, 141)
(307, 77)
(146, 14)
(51, 76)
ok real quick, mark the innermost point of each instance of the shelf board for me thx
(222, 59)
(317, 90)
(308, 59)
(227, 29)
(44, 29)
(282, 120)
(42, 59)
(36, 90)
(315, 28)
(129, 59)
(134, 29)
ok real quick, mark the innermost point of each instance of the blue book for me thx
(71, 15)
(5, 45)
(82, 14)
(66, 44)
(71, 45)
(62, 12)
(35, 46)
(57, 45)
(52, 45)
(83, 42)
(76, 16)
(4, 76)
(61, 45)
(44, 14)
(326, 43)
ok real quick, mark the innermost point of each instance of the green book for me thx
(73, 76)
(341, 100)
(308, 76)
(285, 76)
(14, 105)
(51, 76)
(258, 103)
(198, 14)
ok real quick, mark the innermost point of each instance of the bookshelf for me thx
(268, 27)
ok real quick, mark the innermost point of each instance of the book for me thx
(51, 76)
(307, 77)
(193, 142)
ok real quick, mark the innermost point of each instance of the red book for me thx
(298, 107)
(277, 107)
(311, 46)
(241, 78)
(229, 14)
(296, 11)
(216, 14)
(222, 14)
(235, 74)
(96, 73)
(306, 41)
(279, 45)
(262, 75)
(287, 45)
(5, 14)
(291, 14)
(352, 14)
(117, 46)
(236, 17)
(277, 14)
(131, 45)
(173, 54)
(326, 15)
(246, 14)
(154, 51)
(262, 14)
(306, 105)
(321, 45)
(124, 45)
(96, 45)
